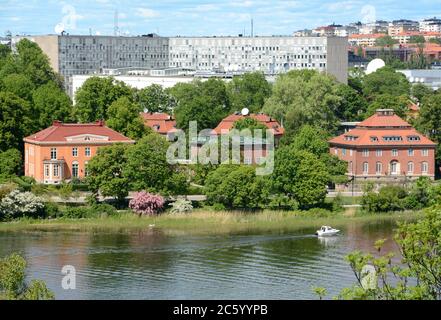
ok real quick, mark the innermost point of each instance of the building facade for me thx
(271, 55)
(85, 55)
(385, 148)
(62, 151)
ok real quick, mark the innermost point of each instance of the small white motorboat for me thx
(327, 231)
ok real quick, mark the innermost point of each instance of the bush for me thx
(78, 213)
(317, 213)
(144, 203)
(21, 204)
(51, 210)
(389, 198)
(181, 206)
(6, 189)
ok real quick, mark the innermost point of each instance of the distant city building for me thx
(430, 25)
(378, 26)
(364, 40)
(62, 151)
(85, 55)
(355, 61)
(403, 25)
(385, 148)
(271, 55)
(430, 78)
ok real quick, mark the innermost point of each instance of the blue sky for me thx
(196, 17)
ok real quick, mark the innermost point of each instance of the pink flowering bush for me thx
(144, 203)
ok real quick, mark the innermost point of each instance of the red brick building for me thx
(385, 147)
(62, 151)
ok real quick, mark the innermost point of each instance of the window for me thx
(378, 167)
(248, 160)
(87, 152)
(379, 153)
(351, 152)
(394, 153)
(424, 167)
(394, 167)
(86, 172)
(75, 170)
(46, 170)
(365, 168)
(74, 152)
(56, 170)
(343, 152)
(351, 167)
(365, 153)
(410, 152)
(425, 152)
(53, 153)
(410, 167)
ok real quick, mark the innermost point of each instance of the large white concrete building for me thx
(85, 55)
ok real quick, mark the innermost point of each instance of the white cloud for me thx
(147, 13)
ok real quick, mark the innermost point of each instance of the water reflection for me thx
(151, 265)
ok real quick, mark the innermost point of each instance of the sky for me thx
(197, 17)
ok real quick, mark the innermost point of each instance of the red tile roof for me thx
(59, 132)
(379, 129)
(228, 123)
(160, 122)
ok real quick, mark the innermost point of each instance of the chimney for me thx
(57, 123)
(101, 123)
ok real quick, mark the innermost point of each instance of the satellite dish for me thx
(245, 111)
(374, 65)
(59, 28)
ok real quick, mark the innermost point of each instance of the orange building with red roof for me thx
(385, 146)
(162, 123)
(61, 152)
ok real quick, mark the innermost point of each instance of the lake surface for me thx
(151, 265)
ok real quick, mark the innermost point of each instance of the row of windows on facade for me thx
(293, 65)
(247, 47)
(56, 170)
(225, 56)
(393, 169)
(87, 152)
(86, 57)
(379, 153)
(385, 138)
(102, 47)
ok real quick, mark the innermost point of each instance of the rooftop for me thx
(228, 123)
(59, 132)
(162, 123)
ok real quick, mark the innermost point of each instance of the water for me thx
(151, 265)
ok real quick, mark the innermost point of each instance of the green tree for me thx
(386, 41)
(123, 116)
(205, 102)
(419, 91)
(18, 84)
(10, 163)
(13, 123)
(385, 81)
(147, 167)
(237, 186)
(13, 285)
(352, 105)
(301, 176)
(155, 99)
(420, 247)
(303, 97)
(249, 91)
(251, 124)
(95, 97)
(32, 61)
(51, 103)
(400, 104)
(106, 172)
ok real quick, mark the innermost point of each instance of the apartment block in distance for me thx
(61, 152)
(84, 55)
(271, 55)
(385, 148)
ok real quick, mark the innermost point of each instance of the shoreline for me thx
(203, 222)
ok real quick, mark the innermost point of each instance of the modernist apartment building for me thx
(271, 55)
(81, 55)
(385, 147)
(62, 151)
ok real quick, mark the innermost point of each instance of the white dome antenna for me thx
(245, 111)
(374, 65)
